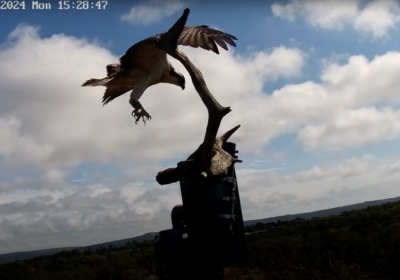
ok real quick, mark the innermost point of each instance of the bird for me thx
(145, 64)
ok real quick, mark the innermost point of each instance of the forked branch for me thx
(220, 163)
(211, 144)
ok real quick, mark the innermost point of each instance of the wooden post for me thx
(209, 227)
(213, 217)
(208, 231)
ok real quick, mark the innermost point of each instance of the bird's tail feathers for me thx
(96, 82)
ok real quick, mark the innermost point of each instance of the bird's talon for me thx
(140, 113)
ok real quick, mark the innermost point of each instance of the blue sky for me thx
(314, 85)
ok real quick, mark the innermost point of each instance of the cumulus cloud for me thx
(152, 11)
(376, 17)
(359, 97)
(344, 130)
(98, 213)
(50, 125)
(92, 214)
(268, 193)
(48, 117)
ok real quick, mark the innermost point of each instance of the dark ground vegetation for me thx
(358, 244)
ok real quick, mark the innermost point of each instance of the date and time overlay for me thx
(60, 5)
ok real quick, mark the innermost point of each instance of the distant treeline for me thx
(134, 260)
(357, 244)
(259, 226)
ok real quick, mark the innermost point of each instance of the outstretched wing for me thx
(113, 92)
(194, 36)
(204, 37)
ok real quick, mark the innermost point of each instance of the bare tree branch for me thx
(219, 164)
(222, 160)
(215, 111)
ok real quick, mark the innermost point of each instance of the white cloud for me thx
(152, 11)
(247, 76)
(288, 63)
(346, 109)
(49, 125)
(360, 82)
(48, 117)
(321, 187)
(344, 131)
(85, 216)
(376, 17)
(324, 14)
(96, 213)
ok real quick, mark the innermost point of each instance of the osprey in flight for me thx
(145, 64)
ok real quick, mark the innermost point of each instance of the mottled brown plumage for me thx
(144, 65)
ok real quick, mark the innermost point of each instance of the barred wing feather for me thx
(204, 37)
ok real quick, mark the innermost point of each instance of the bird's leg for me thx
(139, 111)
(136, 93)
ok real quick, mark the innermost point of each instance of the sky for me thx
(314, 85)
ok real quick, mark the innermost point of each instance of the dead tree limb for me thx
(220, 163)
(209, 163)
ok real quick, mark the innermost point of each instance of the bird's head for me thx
(178, 76)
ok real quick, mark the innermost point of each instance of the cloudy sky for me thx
(314, 84)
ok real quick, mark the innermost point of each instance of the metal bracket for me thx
(228, 198)
(227, 217)
(230, 180)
